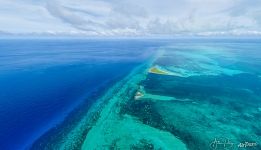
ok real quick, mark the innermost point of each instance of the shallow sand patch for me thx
(129, 133)
(157, 70)
(141, 94)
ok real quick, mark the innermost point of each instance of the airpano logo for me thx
(247, 144)
(227, 144)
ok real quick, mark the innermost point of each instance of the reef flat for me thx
(118, 130)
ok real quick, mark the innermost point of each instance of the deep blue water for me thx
(42, 80)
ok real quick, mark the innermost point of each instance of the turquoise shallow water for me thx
(209, 95)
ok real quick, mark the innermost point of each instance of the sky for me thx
(131, 17)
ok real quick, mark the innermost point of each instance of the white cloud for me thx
(132, 17)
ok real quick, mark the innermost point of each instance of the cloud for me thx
(71, 17)
(132, 17)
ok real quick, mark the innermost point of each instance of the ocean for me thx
(129, 93)
(43, 80)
